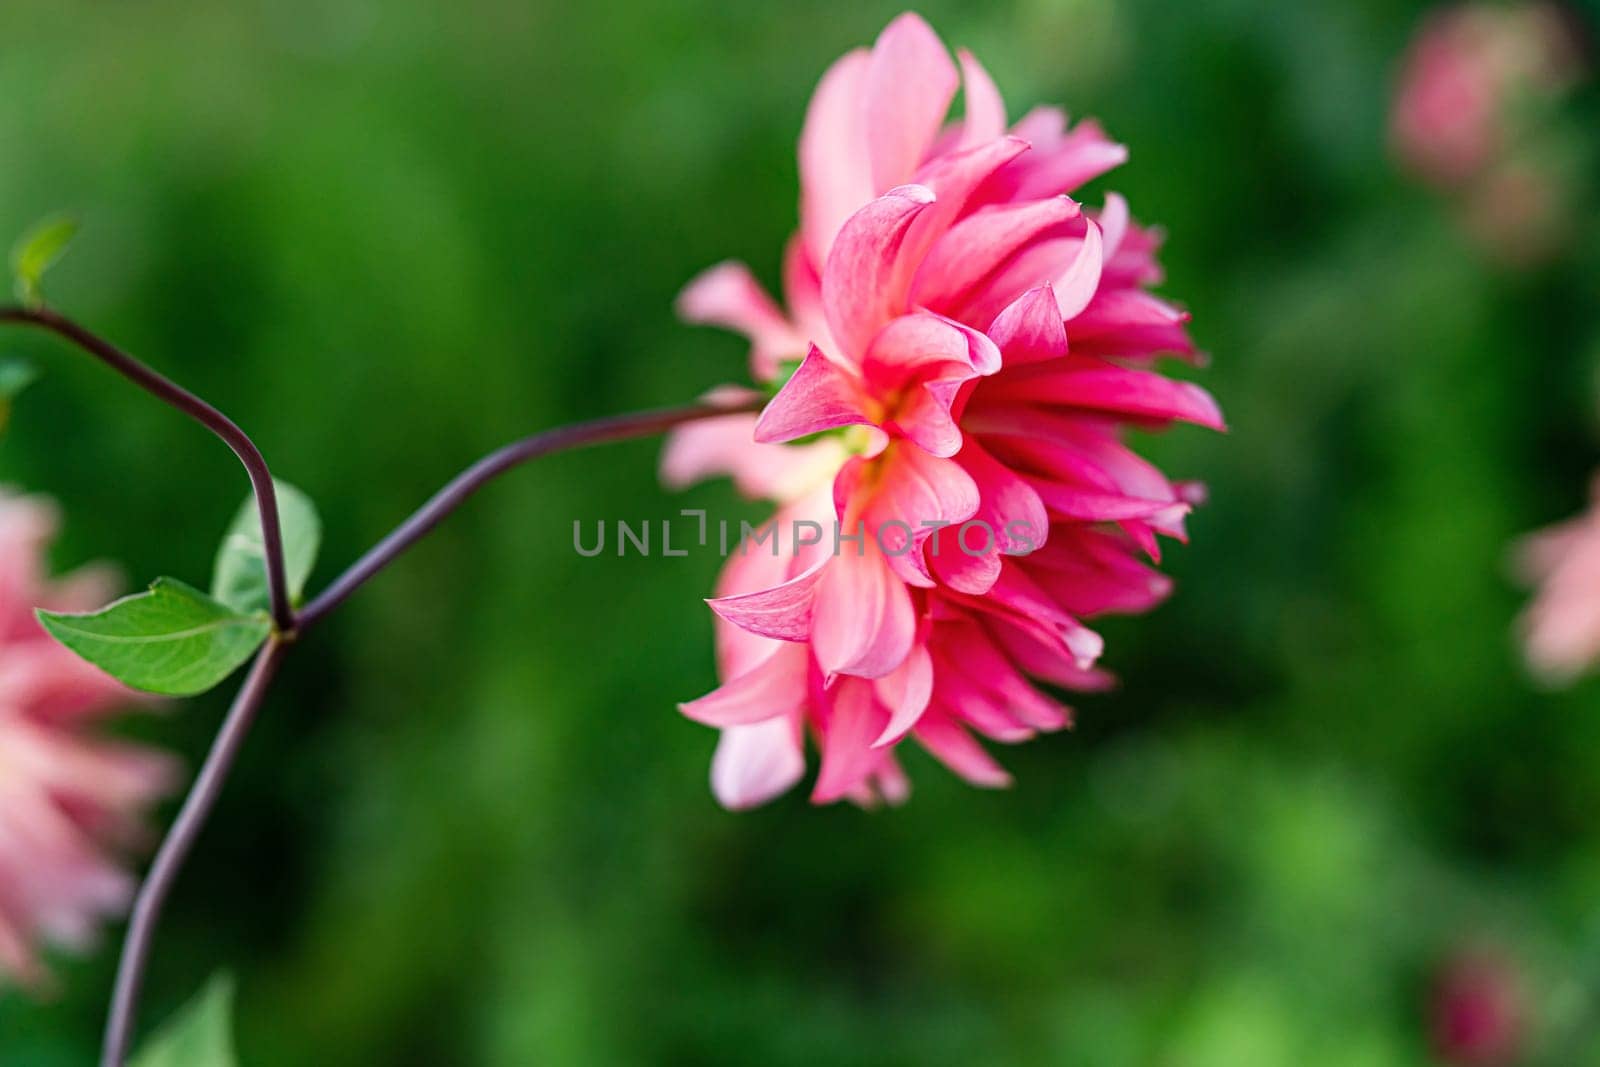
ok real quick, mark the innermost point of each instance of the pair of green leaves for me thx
(199, 1035)
(175, 640)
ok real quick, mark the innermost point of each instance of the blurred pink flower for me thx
(1468, 81)
(1478, 1015)
(963, 344)
(1473, 115)
(1561, 628)
(66, 799)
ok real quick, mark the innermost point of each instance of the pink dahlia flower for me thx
(961, 348)
(67, 800)
(1561, 628)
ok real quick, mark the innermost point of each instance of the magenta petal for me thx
(951, 745)
(953, 177)
(1077, 284)
(835, 178)
(906, 693)
(986, 111)
(755, 763)
(1012, 510)
(916, 489)
(862, 622)
(1131, 392)
(858, 294)
(819, 396)
(854, 720)
(925, 418)
(1061, 164)
(1030, 329)
(1086, 505)
(775, 686)
(980, 243)
(908, 88)
(923, 342)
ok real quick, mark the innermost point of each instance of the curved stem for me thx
(175, 849)
(469, 481)
(178, 397)
(225, 749)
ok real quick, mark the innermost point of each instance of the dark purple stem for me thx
(175, 849)
(174, 394)
(469, 481)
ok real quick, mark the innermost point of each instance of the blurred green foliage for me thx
(388, 235)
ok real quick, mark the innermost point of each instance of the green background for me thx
(471, 827)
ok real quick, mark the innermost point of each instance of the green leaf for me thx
(239, 578)
(172, 640)
(199, 1035)
(37, 251)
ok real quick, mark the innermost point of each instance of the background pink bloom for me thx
(970, 343)
(67, 800)
(1561, 628)
(1474, 114)
(1478, 1011)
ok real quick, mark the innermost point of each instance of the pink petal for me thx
(1077, 284)
(755, 763)
(1137, 393)
(848, 758)
(1030, 330)
(783, 613)
(906, 693)
(1059, 163)
(925, 343)
(835, 178)
(909, 85)
(820, 395)
(1113, 220)
(914, 488)
(727, 446)
(1012, 510)
(776, 686)
(980, 243)
(951, 745)
(858, 291)
(953, 177)
(985, 110)
(752, 568)
(863, 623)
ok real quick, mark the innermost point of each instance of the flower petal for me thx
(1030, 329)
(862, 622)
(755, 763)
(978, 244)
(775, 686)
(986, 111)
(858, 291)
(905, 692)
(951, 745)
(835, 178)
(820, 395)
(909, 85)
(854, 719)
